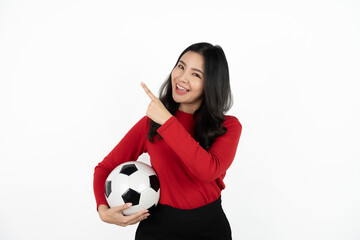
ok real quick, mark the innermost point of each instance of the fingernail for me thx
(129, 204)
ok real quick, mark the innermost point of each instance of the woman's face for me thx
(188, 81)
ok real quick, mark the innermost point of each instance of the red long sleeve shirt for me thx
(189, 176)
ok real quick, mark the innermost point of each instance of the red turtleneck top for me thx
(190, 176)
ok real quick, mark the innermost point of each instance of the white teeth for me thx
(181, 87)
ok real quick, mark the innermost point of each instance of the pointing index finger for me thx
(148, 92)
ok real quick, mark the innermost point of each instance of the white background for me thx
(70, 73)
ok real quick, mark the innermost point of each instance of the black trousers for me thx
(208, 222)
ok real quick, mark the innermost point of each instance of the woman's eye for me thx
(196, 75)
(181, 66)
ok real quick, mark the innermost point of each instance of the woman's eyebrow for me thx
(195, 69)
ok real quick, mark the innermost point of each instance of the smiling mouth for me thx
(181, 89)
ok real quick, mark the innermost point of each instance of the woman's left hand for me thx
(156, 109)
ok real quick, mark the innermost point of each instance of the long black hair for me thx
(217, 97)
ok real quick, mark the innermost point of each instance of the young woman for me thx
(191, 144)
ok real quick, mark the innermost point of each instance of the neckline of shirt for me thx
(179, 112)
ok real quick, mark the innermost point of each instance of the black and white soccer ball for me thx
(134, 182)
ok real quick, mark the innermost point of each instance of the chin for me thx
(175, 99)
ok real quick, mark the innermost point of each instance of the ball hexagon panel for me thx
(154, 182)
(120, 183)
(147, 198)
(128, 169)
(115, 199)
(131, 196)
(139, 181)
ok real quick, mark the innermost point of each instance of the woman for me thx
(191, 144)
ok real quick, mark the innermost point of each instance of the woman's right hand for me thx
(115, 215)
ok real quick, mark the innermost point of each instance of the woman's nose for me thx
(183, 77)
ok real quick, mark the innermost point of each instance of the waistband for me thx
(210, 210)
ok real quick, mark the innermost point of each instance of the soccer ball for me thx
(134, 182)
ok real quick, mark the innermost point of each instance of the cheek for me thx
(175, 72)
(198, 86)
(173, 75)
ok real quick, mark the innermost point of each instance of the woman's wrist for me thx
(166, 118)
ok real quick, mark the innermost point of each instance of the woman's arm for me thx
(205, 165)
(128, 149)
